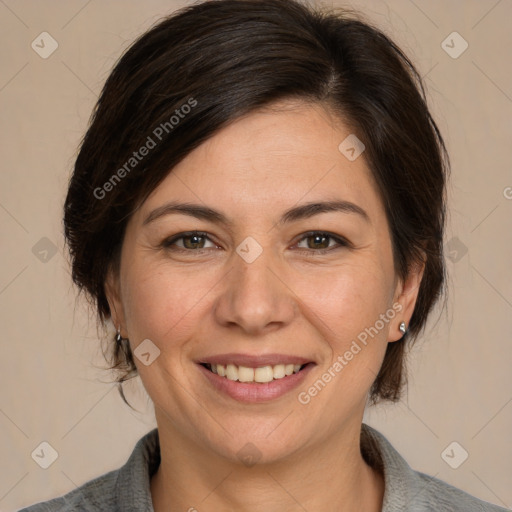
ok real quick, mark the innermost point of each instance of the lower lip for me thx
(254, 392)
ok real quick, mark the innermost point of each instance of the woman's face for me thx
(260, 287)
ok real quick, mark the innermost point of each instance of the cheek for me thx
(161, 303)
(347, 299)
(349, 305)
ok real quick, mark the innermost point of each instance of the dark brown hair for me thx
(224, 59)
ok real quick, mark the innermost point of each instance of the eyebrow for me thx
(304, 211)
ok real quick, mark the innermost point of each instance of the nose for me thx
(255, 296)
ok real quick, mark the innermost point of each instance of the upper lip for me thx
(254, 361)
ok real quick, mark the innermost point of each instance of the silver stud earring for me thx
(119, 338)
(402, 328)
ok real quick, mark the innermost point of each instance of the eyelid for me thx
(169, 241)
(340, 240)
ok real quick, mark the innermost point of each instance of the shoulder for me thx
(443, 496)
(117, 491)
(407, 489)
(94, 496)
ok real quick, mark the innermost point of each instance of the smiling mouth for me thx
(259, 375)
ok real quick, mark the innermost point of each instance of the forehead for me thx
(270, 160)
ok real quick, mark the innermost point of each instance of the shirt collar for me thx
(133, 480)
(402, 485)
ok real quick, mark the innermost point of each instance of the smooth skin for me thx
(196, 297)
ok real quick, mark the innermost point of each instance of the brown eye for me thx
(318, 241)
(191, 241)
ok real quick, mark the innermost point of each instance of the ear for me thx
(113, 294)
(406, 294)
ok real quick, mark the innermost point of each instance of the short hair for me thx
(225, 59)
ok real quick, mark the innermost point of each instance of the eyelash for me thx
(168, 243)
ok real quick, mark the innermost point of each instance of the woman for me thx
(258, 206)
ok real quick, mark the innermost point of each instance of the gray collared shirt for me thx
(127, 489)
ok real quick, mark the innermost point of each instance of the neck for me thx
(333, 476)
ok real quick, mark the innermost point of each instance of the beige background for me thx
(461, 385)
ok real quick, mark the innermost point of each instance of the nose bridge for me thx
(252, 271)
(254, 297)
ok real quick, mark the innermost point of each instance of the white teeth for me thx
(279, 372)
(262, 374)
(231, 372)
(245, 374)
